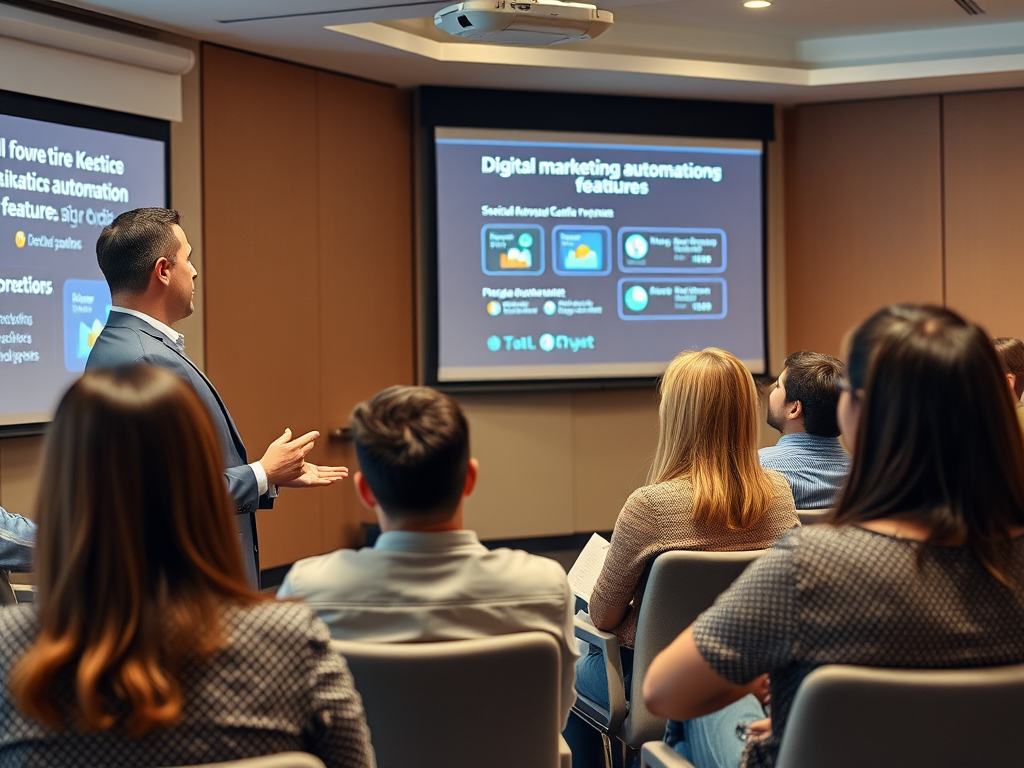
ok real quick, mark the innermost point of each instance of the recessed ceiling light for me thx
(757, 3)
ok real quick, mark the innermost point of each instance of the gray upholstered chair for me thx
(681, 585)
(6, 591)
(812, 516)
(851, 717)
(431, 705)
(281, 760)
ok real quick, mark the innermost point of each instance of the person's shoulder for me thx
(272, 624)
(333, 572)
(526, 572)
(677, 492)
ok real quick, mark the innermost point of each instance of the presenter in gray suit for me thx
(144, 255)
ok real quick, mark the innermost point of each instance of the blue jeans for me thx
(17, 542)
(591, 678)
(716, 740)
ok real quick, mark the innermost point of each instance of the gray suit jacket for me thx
(127, 340)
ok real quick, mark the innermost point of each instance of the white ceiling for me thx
(795, 51)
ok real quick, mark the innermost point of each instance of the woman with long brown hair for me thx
(145, 646)
(706, 491)
(923, 562)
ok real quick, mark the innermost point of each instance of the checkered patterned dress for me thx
(275, 687)
(826, 595)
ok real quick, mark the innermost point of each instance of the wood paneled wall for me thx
(309, 295)
(863, 214)
(915, 200)
(984, 188)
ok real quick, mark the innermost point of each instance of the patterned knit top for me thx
(827, 595)
(275, 687)
(658, 518)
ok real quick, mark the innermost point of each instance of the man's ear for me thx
(1011, 378)
(365, 492)
(471, 473)
(795, 411)
(162, 270)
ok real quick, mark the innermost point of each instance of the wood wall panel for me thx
(614, 436)
(366, 264)
(984, 169)
(260, 192)
(524, 444)
(863, 214)
(308, 267)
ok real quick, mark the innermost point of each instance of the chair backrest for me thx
(847, 717)
(461, 704)
(811, 516)
(280, 760)
(6, 591)
(682, 584)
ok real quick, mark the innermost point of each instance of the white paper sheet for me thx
(584, 572)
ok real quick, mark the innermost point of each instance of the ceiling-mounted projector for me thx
(534, 22)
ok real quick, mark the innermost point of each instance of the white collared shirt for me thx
(178, 340)
(414, 587)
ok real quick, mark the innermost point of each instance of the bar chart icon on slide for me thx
(513, 249)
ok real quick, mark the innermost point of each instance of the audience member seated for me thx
(145, 646)
(1011, 355)
(706, 492)
(803, 408)
(921, 566)
(427, 578)
(17, 542)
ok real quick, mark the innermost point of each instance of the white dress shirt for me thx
(427, 587)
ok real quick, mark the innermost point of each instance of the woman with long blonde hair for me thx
(706, 491)
(145, 646)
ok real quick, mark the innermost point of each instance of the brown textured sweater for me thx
(658, 518)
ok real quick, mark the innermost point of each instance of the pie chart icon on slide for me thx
(636, 247)
(636, 298)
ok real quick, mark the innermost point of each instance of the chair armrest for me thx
(24, 593)
(658, 754)
(610, 719)
(564, 753)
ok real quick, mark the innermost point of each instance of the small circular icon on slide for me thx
(525, 240)
(636, 247)
(636, 298)
(547, 342)
(494, 308)
(494, 343)
(549, 307)
(19, 239)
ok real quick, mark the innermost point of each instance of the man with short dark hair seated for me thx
(803, 408)
(427, 578)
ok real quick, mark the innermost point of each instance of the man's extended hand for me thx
(285, 458)
(314, 476)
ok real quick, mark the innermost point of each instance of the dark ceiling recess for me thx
(970, 7)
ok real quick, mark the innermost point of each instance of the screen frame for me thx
(438, 107)
(23, 105)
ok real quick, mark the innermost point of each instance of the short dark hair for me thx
(413, 449)
(919, 454)
(813, 379)
(132, 243)
(1011, 355)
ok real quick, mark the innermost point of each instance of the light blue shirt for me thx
(815, 467)
(17, 542)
